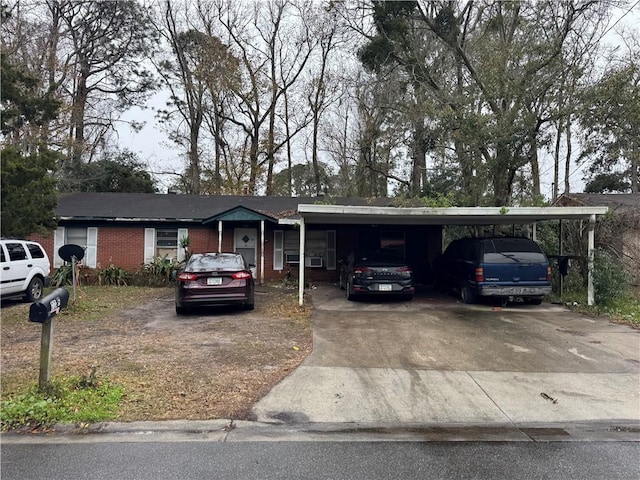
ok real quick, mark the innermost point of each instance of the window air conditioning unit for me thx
(315, 262)
(292, 258)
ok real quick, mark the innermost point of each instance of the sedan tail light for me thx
(360, 270)
(404, 269)
(187, 277)
(479, 274)
(241, 275)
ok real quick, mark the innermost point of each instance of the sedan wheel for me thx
(181, 310)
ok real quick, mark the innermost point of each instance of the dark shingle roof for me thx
(130, 206)
(615, 201)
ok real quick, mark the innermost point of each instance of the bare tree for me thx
(323, 89)
(187, 90)
(271, 66)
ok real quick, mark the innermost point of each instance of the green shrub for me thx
(67, 400)
(113, 275)
(157, 273)
(610, 280)
(63, 276)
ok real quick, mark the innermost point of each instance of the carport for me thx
(363, 215)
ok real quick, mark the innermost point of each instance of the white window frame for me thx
(278, 249)
(328, 253)
(151, 248)
(90, 249)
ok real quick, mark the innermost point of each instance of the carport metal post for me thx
(219, 236)
(301, 264)
(590, 266)
(261, 252)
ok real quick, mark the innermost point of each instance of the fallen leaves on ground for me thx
(211, 364)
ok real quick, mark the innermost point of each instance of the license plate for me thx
(384, 288)
(214, 281)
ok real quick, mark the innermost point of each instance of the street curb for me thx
(246, 431)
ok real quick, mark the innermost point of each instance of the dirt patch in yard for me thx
(209, 364)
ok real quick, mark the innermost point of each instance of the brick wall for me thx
(123, 246)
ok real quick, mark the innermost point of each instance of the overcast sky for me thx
(161, 155)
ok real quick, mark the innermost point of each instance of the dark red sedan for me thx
(212, 279)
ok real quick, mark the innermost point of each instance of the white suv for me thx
(24, 269)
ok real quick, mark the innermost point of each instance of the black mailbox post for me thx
(43, 312)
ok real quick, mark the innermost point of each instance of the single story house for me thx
(620, 230)
(303, 237)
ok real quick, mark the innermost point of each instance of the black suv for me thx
(499, 267)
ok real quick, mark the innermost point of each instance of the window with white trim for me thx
(86, 237)
(164, 242)
(320, 249)
(278, 250)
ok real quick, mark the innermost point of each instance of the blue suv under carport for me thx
(500, 267)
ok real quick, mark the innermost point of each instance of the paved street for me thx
(323, 460)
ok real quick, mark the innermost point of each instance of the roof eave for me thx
(313, 213)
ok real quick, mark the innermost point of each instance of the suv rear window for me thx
(511, 250)
(35, 250)
(16, 252)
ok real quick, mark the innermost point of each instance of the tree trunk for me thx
(77, 118)
(535, 167)
(314, 154)
(419, 153)
(635, 152)
(500, 173)
(556, 161)
(567, 167)
(254, 167)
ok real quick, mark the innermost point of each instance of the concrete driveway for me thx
(436, 360)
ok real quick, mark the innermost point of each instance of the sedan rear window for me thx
(206, 263)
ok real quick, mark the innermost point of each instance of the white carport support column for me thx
(219, 236)
(261, 252)
(590, 259)
(301, 265)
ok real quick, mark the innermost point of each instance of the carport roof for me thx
(346, 214)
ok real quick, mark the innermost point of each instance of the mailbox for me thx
(563, 265)
(48, 306)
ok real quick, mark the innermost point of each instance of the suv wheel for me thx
(467, 295)
(35, 289)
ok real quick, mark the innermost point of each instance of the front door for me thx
(245, 242)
